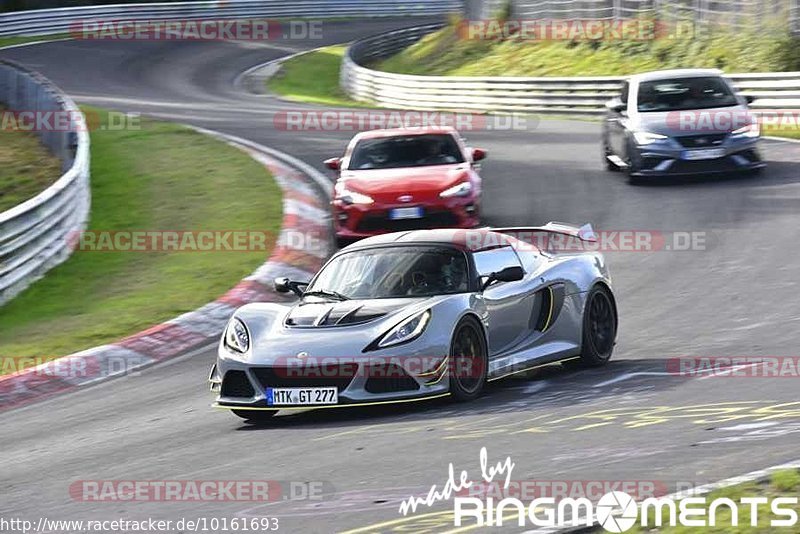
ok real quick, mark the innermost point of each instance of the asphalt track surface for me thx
(737, 297)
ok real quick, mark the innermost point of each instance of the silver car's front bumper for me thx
(671, 158)
(241, 385)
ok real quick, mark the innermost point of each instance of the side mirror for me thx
(749, 98)
(333, 163)
(478, 154)
(509, 274)
(616, 105)
(284, 285)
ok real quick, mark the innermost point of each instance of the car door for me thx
(507, 305)
(616, 120)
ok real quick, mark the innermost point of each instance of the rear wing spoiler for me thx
(584, 233)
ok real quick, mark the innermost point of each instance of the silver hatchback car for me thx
(680, 122)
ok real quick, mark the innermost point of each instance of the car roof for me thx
(674, 73)
(396, 132)
(474, 240)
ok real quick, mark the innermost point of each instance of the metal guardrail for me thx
(35, 235)
(574, 95)
(61, 20)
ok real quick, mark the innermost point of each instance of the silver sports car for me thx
(417, 315)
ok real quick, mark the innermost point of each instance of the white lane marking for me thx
(627, 376)
(714, 373)
(748, 426)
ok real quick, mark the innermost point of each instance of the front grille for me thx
(372, 222)
(306, 376)
(389, 378)
(701, 166)
(236, 384)
(701, 141)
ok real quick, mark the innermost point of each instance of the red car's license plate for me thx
(405, 213)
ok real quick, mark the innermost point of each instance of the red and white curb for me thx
(304, 210)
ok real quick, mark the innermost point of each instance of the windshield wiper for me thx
(326, 294)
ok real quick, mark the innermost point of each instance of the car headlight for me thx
(237, 337)
(407, 330)
(352, 197)
(646, 138)
(459, 190)
(750, 130)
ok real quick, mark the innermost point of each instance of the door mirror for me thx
(749, 99)
(333, 163)
(616, 105)
(508, 274)
(478, 154)
(285, 285)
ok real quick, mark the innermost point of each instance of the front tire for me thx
(599, 328)
(255, 416)
(468, 360)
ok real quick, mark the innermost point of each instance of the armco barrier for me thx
(49, 21)
(34, 235)
(574, 95)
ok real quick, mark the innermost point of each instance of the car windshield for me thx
(684, 94)
(406, 271)
(405, 151)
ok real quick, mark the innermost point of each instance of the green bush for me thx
(767, 47)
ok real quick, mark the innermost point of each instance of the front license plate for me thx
(302, 396)
(705, 153)
(405, 213)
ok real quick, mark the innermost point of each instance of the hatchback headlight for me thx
(408, 330)
(646, 138)
(750, 130)
(237, 337)
(459, 190)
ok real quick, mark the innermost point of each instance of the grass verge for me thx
(26, 167)
(313, 78)
(781, 484)
(158, 177)
(8, 41)
(446, 53)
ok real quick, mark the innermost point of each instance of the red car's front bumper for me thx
(355, 221)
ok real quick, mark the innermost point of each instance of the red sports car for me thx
(405, 179)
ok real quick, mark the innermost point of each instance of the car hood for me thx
(691, 122)
(392, 183)
(273, 341)
(319, 313)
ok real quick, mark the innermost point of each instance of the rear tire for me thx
(469, 360)
(255, 416)
(599, 328)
